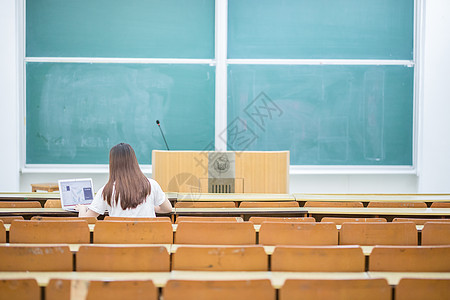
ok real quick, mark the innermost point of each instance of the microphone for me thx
(159, 125)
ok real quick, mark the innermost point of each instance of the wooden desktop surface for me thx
(368, 197)
(160, 278)
(171, 248)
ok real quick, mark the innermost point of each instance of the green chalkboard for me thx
(118, 28)
(312, 29)
(76, 112)
(325, 115)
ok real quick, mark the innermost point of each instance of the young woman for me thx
(128, 193)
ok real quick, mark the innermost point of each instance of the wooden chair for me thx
(242, 258)
(419, 221)
(313, 234)
(223, 204)
(35, 258)
(269, 204)
(418, 289)
(208, 219)
(163, 219)
(440, 205)
(259, 220)
(47, 232)
(382, 204)
(333, 204)
(434, 233)
(410, 259)
(215, 233)
(219, 290)
(49, 187)
(90, 220)
(19, 289)
(9, 219)
(52, 203)
(133, 232)
(340, 221)
(318, 259)
(93, 258)
(365, 233)
(20, 204)
(340, 289)
(64, 289)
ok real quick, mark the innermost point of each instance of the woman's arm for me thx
(165, 207)
(84, 211)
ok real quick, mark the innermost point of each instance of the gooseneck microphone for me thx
(159, 125)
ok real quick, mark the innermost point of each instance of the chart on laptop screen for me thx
(76, 192)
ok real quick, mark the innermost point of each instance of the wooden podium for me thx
(190, 171)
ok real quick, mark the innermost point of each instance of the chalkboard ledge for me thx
(73, 169)
(337, 170)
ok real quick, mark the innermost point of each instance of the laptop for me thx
(75, 191)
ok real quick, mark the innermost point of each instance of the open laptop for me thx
(75, 191)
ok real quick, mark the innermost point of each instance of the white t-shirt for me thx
(145, 209)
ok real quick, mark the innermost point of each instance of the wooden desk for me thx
(393, 278)
(199, 197)
(247, 212)
(49, 187)
(160, 278)
(371, 211)
(375, 197)
(49, 212)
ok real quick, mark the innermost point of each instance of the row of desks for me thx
(174, 227)
(276, 211)
(277, 278)
(262, 197)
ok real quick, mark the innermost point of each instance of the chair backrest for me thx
(204, 290)
(440, 205)
(341, 289)
(419, 221)
(333, 204)
(2, 232)
(35, 258)
(419, 288)
(96, 258)
(318, 259)
(434, 233)
(382, 204)
(20, 204)
(208, 219)
(380, 233)
(52, 203)
(340, 221)
(20, 289)
(94, 290)
(215, 233)
(314, 234)
(259, 220)
(269, 204)
(242, 258)
(223, 204)
(90, 220)
(133, 232)
(47, 232)
(9, 219)
(162, 219)
(410, 259)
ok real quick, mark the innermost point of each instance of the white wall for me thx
(434, 172)
(434, 141)
(9, 149)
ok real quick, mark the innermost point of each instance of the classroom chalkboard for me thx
(117, 28)
(76, 112)
(325, 115)
(312, 29)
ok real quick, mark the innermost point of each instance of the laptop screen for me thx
(76, 191)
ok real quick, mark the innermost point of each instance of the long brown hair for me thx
(126, 178)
